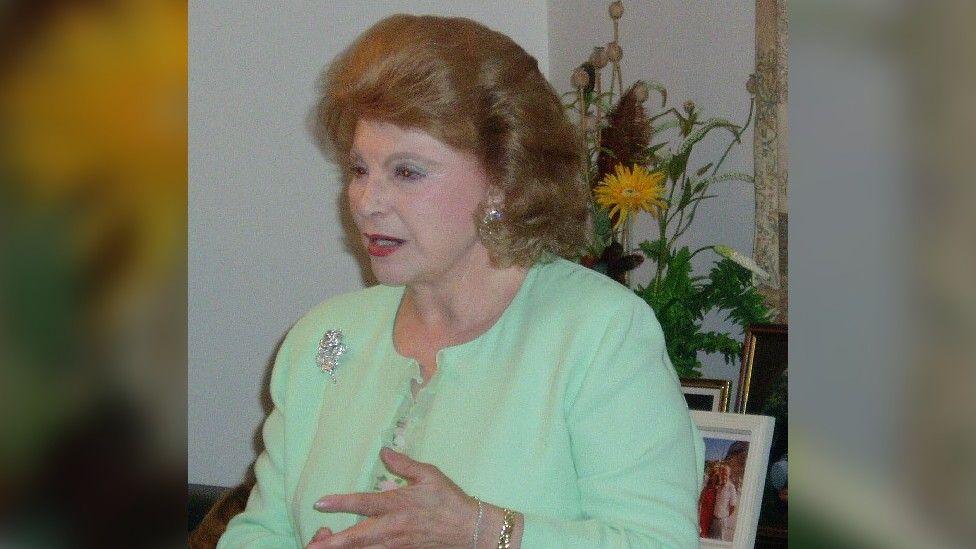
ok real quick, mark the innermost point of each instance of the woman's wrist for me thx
(492, 525)
(517, 528)
(505, 537)
(477, 525)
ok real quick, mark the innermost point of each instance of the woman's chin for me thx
(387, 276)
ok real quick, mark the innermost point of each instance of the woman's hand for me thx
(430, 511)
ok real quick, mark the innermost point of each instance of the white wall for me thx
(703, 50)
(265, 240)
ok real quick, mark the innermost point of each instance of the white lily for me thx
(741, 259)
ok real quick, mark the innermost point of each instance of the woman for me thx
(726, 506)
(523, 400)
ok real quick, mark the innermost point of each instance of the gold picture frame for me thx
(718, 390)
(768, 342)
(763, 390)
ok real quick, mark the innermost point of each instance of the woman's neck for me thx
(470, 302)
(434, 317)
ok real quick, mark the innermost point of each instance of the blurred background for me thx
(93, 272)
(883, 260)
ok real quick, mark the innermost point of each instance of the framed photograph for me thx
(736, 456)
(709, 395)
(763, 391)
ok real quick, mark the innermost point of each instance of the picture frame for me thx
(710, 395)
(763, 390)
(736, 459)
(764, 360)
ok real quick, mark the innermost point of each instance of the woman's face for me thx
(413, 199)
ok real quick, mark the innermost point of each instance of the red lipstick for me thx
(381, 245)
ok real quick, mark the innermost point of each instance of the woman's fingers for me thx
(366, 504)
(366, 533)
(320, 534)
(405, 467)
(430, 511)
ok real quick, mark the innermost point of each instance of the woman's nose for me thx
(366, 195)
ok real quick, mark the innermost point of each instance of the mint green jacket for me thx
(567, 410)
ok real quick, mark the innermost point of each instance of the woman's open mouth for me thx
(381, 245)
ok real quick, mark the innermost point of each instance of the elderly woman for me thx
(487, 392)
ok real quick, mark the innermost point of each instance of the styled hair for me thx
(477, 91)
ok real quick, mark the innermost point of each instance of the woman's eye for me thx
(357, 171)
(407, 172)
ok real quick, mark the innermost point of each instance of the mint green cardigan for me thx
(567, 409)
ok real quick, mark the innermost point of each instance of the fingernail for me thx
(323, 504)
(321, 534)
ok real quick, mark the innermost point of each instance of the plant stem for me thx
(691, 217)
(738, 137)
(665, 254)
(681, 210)
(694, 201)
(674, 184)
(662, 113)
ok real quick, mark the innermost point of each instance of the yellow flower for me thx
(628, 191)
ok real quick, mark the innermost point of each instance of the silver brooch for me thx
(330, 349)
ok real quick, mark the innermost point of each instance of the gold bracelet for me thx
(505, 538)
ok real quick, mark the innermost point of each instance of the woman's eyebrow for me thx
(397, 157)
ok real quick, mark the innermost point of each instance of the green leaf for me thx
(681, 301)
(602, 226)
(718, 342)
(735, 293)
(655, 250)
(686, 194)
(652, 150)
(677, 165)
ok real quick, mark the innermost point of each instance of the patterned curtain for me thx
(770, 153)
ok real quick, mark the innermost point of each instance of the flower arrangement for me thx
(636, 163)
